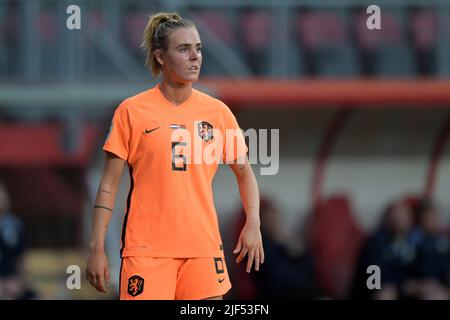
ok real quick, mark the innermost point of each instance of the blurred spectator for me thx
(287, 272)
(12, 285)
(392, 247)
(432, 263)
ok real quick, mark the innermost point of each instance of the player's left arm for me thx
(250, 240)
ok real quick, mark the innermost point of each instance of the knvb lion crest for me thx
(135, 285)
(205, 131)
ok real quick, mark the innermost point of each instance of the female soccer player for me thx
(171, 245)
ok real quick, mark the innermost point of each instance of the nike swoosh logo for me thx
(221, 280)
(146, 131)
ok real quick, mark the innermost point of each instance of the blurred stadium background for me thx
(363, 116)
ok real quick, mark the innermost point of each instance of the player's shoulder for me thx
(139, 98)
(212, 102)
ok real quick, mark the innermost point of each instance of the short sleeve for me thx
(118, 138)
(234, 142)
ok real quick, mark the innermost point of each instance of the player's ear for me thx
(158, 57)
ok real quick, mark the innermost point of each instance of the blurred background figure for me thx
(432, 262)
(12, 282)
(288, 270)
(393, 248)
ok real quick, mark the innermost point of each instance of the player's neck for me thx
(175, 93)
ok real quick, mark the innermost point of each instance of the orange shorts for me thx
(148, 278)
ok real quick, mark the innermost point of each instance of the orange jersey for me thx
(170, 210)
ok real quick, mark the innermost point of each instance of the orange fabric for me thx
(170, 209)
(147, 278)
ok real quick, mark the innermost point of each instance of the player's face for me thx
(182, 60)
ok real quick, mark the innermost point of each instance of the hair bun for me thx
(170, 17)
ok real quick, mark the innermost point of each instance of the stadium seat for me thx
(217, 24)
(134, 24)
(65, 198)
(386, 52)
(8, 56)
(97, 62)
(95, 20)
(256, 29)
(47, 28)
(3, 53)
(324, 37)
(10, 28)
(255, 33)
(336, 240)
(423, 29)
(48, 38)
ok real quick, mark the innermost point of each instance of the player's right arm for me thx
(97, 269)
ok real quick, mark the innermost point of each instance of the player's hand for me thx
(97, 270)
(250, 243)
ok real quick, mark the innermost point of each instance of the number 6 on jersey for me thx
(178, 156)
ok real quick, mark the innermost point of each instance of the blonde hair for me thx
(156, 36)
